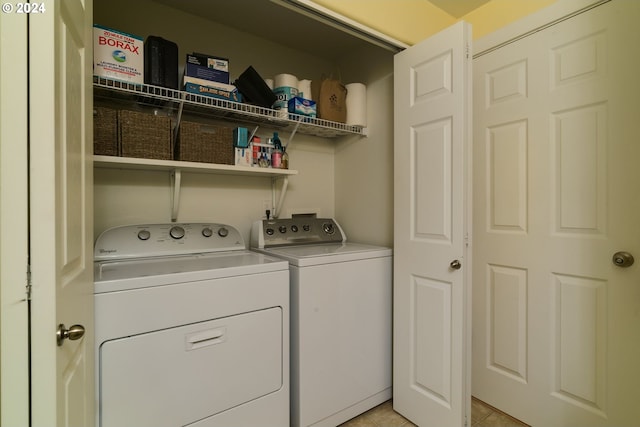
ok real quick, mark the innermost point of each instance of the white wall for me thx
(330, 183)
(364, 166)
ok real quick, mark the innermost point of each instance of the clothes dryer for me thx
(341, 330)
(191, 329)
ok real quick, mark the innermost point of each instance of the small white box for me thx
(118, 55)
(243, 156)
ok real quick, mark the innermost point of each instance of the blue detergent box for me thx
(302, 106)
(214, 92)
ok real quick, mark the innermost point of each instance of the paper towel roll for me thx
(285, 80)
(269, 83)
(285, 88)
(304, 87)
(356, 104)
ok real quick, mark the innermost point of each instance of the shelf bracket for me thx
(176, 178)
(283, 192)
(292, 134)
(176, 131)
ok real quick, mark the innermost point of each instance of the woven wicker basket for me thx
(105, 132)
(145, 136)
(205, 143)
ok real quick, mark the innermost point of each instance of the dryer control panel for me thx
(302, 230)
(150, 240)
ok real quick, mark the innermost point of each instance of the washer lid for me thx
(307, 255)
(118, 275)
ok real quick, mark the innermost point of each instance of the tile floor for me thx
(482, 415)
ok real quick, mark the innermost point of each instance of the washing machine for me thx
(192, 329)
(341, 314)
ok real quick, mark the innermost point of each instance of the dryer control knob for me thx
(282, 229)
(206, 232)
(223, 232)
(144, 235)
(176, 232)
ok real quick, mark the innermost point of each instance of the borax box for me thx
(118, 55)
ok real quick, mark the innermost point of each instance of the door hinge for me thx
(28, 290)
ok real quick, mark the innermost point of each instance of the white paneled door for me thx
(556, 182)
(431, 334)
(61, 211)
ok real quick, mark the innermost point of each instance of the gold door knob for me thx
(73, 333)
(623, 259)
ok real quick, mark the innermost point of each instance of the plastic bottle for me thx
(276, 154)
(256, 149)
(263, 161)
(285, 159)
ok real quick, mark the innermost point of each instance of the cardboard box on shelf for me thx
(207, 67)
(243, 157)
(118, 55)
(214, 92)
(302, 106)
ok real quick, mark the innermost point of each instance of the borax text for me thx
(119, 44)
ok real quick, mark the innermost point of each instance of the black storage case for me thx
(160, 62)
(254, 89)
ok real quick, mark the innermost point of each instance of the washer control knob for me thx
(223, 232)
(328, 228)
(176, 232)
(269, 231)
(207, 232)
(144, 235)
(306, 227)
(282, 229)
(294, 228)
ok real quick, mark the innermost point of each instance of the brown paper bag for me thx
(331, 100)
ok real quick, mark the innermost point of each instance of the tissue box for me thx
(302, 106)
(118, 55)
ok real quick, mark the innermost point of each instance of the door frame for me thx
(14, 312)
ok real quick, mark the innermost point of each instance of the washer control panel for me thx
(147, 240)
(295, 231)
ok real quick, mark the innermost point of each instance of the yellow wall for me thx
(406, 20)
(498, 13)
(411, 21)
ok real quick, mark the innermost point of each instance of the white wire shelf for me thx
(219, 108)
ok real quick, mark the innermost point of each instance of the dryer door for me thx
(184, 374)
